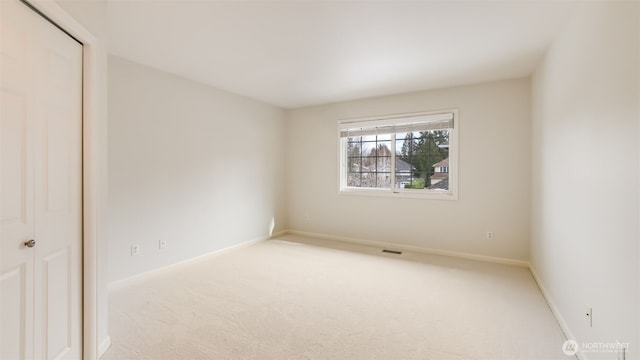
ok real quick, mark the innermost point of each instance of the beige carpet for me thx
(301, 298)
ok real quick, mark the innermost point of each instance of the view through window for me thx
(407, 153)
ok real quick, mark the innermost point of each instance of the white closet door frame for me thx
(89, 172)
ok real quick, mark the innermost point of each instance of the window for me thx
(412, 155)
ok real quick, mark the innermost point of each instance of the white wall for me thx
(195, 166)
(494, 180)
(585, 226)
(93, 16)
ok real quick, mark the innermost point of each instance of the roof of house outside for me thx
(443, 163)
(403, 166)
(440, 185)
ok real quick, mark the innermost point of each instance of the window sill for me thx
(400, 193)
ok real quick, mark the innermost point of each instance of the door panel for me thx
(41, 134)
(57, 110)
(57, 297)
(14, 160)
(16, 192)
(16, 328)
(58, 200)
(58, 161)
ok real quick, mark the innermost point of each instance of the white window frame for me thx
(451, 194)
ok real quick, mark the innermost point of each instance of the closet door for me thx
(16, 196)
(41, 137)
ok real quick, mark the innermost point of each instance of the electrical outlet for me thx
(588, 316)
(489, 235)
(306, 217)
(162, 244)
(135, 249)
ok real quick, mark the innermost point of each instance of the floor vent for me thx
(392, 252)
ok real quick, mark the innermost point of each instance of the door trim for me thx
(90, 159)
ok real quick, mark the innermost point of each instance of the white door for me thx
(41, 188)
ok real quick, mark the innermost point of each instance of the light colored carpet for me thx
(301, 298)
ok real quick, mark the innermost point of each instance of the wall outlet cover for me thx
(588, 316)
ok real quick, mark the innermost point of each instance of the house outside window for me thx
(413, 155)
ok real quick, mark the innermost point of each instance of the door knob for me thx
(30, 243)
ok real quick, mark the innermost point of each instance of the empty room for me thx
(320, 179)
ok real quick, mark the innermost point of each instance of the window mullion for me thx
(361, 162)
(393, 161)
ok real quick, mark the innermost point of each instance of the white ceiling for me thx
(294, 54)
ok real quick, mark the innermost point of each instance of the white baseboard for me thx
(142, 276)
(104, 346)
(417, 249)
(277, 234)
(554, 310)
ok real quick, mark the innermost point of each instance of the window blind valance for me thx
(397, 125)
